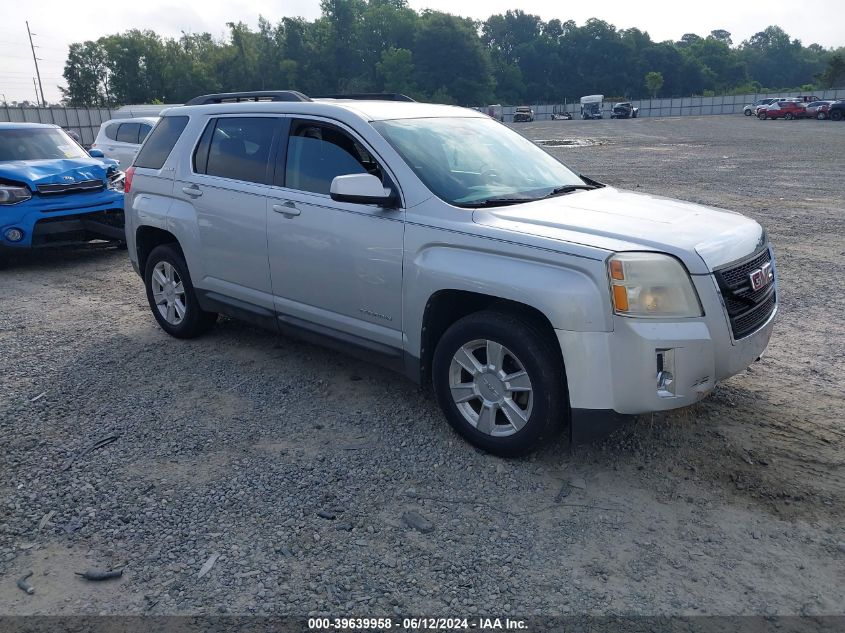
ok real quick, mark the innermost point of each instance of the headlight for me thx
(116, 180)
(651, 285)
(11, 194)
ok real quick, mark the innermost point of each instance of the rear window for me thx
(128, 133)
(142, 133)
(160, 142)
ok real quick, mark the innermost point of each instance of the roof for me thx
(336, 108)
(141, 109)
(24, 126)
(152, 120)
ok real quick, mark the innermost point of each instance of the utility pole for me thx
(36, 89)
(37, 72)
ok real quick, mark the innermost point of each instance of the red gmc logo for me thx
(762, 277)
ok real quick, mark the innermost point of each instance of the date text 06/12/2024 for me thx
(416, 624)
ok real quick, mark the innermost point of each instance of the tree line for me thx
(385, 46)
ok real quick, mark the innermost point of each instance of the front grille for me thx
(82, 185)
(747, 308)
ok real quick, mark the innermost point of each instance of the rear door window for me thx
(161, 142)
(128, 133)
(238, 148)
(318, 152)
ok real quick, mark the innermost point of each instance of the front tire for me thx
(836, 115)
(788, 116)
(500, 382)
(171, 294)
(762, 116)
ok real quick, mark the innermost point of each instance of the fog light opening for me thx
(13, 235)
(665, 361)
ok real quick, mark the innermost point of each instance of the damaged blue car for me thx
(53, 192)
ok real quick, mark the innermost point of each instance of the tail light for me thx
(127, 180)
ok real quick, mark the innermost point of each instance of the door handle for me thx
(287, 209)
(192, 191)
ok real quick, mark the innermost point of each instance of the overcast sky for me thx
(58, 23)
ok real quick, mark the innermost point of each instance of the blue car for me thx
(52, 192)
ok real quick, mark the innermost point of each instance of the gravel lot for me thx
(235, 444)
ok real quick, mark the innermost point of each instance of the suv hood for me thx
(704, 238)
(60, 171)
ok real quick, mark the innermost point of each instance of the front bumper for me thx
(60, 219)
(620, 370)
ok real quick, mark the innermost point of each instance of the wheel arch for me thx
(149, 237)
(447, 306)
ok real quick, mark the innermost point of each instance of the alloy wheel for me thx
(491, 388)
(168, 293)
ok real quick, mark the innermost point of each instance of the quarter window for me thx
(111, 131)
(318, 152)
(142, 133)
(239, 148)
(162, 139)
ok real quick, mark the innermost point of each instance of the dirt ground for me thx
(231, 444)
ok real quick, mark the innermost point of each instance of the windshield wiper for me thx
(500, 202)
(494, 202)
(559, 191)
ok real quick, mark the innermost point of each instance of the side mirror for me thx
(361, 189)
(96, 153)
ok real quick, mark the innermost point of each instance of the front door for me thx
(335, 267)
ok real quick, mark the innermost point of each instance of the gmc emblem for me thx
(762, 277)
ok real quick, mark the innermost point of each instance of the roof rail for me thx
(260, 95)
(368, 96)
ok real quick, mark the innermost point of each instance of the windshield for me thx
(465, 161)
(38, 144)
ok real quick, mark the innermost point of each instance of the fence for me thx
(84, 121)
(686, 106)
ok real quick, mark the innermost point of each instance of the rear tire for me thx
(835, 115)
(171, 294)
(500, 382)
(788, 116)
(747, 112)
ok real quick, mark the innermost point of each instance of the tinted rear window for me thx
(240, 148)
(142, 133)
(160, 142)
(128, 133)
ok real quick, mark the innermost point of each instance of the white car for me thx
(121, 139)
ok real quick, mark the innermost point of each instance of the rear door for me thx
(227, 187)
(336, 267)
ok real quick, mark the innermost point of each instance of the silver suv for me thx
(442, 243)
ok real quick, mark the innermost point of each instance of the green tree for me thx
(834, 75)
(653, 83)
(85, 73)
(371, 45)
(395, 71)
(449, 56)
